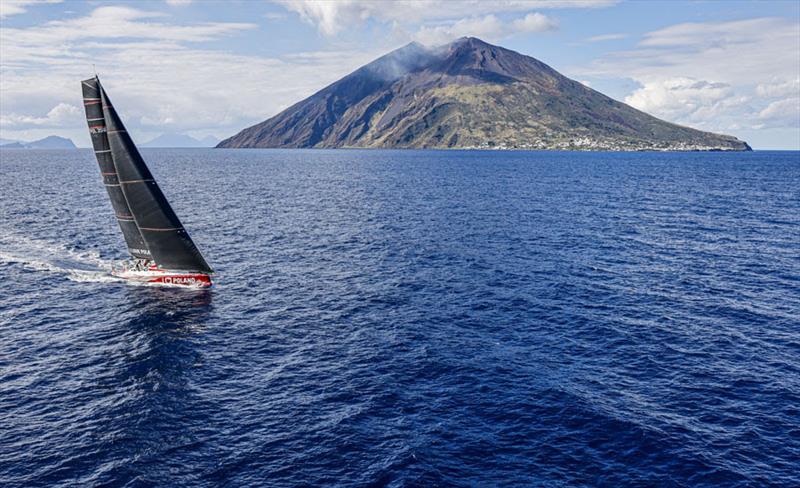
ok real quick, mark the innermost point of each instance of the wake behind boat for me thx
(161, 249)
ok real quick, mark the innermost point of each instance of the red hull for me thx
(191, 280)
(154, 275)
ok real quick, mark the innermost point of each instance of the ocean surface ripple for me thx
(408, 318)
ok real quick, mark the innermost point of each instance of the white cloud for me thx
(177, 88)
(179, 3)
(485, 27)
(331, 17)
(685, 100)
(534, 22)
(16, 7)
(714, 76)
(488, 28)
(720, 34)
(606, 37)
(156, 75)
(777, 88)
(61, 114)
(115, 23)
(677, 93)
(782, 113)
(732, 52)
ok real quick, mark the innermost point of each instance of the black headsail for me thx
(168, 243)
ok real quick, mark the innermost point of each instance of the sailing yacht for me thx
(161, 250)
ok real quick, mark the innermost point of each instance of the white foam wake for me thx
(51, 257)
(56, 258)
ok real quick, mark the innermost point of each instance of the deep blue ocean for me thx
(408, 318)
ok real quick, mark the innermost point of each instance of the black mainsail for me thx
(102, 150)
(149, 225)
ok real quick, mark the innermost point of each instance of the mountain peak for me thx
(471, 42)
(413, 45)
(475, 45)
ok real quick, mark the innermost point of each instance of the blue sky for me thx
(212, 68)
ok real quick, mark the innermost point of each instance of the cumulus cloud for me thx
(61, 114)
(685, 100)
(331, 17)
(782, 113)
(676, 93)
(489, 28)
(714, 76)
(783, 109)
(534, 22)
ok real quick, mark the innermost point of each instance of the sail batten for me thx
(164, 237)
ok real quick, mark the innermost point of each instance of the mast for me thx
(166, 239)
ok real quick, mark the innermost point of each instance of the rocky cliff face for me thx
(468, 94)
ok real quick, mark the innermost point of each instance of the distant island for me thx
(49, 142)
(469, 95)
(171, 139)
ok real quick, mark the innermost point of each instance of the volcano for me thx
(468, 94)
